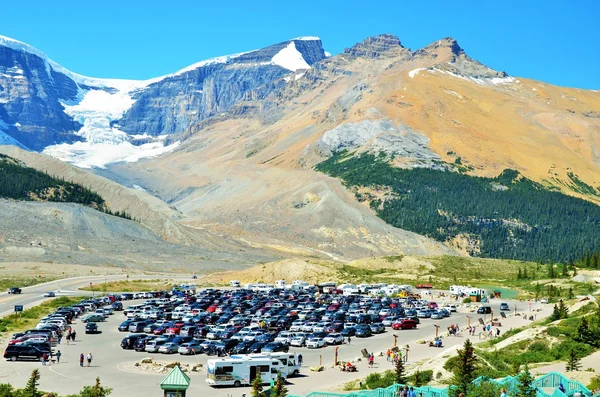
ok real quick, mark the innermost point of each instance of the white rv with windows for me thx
(291, 365)
(241, 372)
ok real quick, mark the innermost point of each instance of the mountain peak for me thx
(447, 46)
(383, 45)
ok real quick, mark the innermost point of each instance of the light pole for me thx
(395, 340)
(468, 321)
(437, 330)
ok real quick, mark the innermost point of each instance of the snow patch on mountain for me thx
(415, 72)
(87, 155)
(290, 58)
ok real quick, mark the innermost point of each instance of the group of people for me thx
(82, 358)
(393, 356)
(408, 392)
(436, 342)
(371, 359)
(70, 335)
(454, 330)
(46, 359)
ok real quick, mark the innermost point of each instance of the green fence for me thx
(550, 380)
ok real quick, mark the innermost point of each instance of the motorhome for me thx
(291, 365)
(241, 372)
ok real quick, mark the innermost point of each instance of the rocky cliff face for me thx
(46, 107)
(174, 103)
(30, 100)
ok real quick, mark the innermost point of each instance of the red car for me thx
(405, 323)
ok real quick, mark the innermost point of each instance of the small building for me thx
(176, 383)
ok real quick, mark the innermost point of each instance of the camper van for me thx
(241, 372)
(291, 366)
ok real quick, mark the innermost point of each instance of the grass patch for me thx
(8, 282)
(130, 286)
(30, 317)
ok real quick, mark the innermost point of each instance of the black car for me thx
(124, 326)
(117, 306)
(242, 348)
(129, 341)
(140, 344)
(363, 331)
(256, 347)
(484, 310)
(91, 328)
(275, 347)
(14, 290)
(14, 353)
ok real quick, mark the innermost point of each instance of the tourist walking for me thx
(89, 359)
(44, 358)
(58, 354)
(81, 358)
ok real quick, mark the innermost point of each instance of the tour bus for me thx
(291, 366)
(241, 372)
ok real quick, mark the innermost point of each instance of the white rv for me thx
(241, 372)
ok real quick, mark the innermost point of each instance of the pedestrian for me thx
(503, 393)
(68, 335)
(73, 336)
(58, 354)
(404, 392)
(411, 392)
(497, 331)
(59, 338)
(300, 360)
(44, 358)
(561, 387)
(81, 358)
(387, 354)
(349, 339)
(371, 360)
(89, 359)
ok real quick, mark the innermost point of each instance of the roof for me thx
(176, 380)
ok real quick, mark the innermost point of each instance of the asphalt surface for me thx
(115, 366)
(34, 295)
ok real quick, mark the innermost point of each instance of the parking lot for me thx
(115, 366)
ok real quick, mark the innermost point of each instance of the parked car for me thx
(298, 341)
(484, 310)
(315, 343)
(93, 318)
(363, 331)
(14, 353)
(274, 347)
(334, 339)
(168, 348)
(190, 348)
(404, 323)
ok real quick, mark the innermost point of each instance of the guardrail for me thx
(511, 383)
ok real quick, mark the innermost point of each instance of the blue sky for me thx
(552, 41)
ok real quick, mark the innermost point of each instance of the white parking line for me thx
(58, 373)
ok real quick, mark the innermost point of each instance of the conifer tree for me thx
(399, 370)
(464, 372)
(280, 390)
(95, 391)
(31, 389)
(573, 362)
(418, 378)
(257, 389)
(525, 384)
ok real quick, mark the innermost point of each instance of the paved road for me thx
(34, 295)
(115, 366)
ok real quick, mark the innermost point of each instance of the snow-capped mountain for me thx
(92, 122)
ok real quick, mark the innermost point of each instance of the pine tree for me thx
(562, 309)
(570, 294)
(400, 378)
(519, 275)
(525, 384)
(95, 391)
(555, 313)
(565, 273)
(31, 389)
(525, 274)
(464, 372)
(279, 390)
(418, 378)
(257, 389)
(573, 362)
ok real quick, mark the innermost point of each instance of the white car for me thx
(450, 308)
(285, 337)
(315, 343)
(297, 341)
(252, 335)
(544, 300)
(297, 326)
(334, 339)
